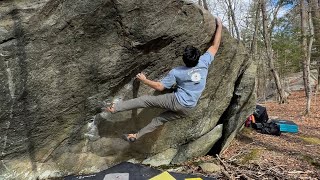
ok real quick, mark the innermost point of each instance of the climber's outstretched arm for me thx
(153, 84)
(217, 38)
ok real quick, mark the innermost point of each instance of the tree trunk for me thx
(315, 12)
(254, 48)
(205, 4)
(230, 22)
(268, 46)
(306, 56)
(274, 15)
(311, 40)
(231, 11)
(261, 87)
(303, 42)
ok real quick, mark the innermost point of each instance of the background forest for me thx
(281, 35)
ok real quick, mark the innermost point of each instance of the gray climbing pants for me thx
(166, 101)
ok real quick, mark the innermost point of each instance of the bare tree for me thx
(253, 49)
(232, 16)
(268, 46)
(306, 54)
(203, 3)
(315, 13)
(275, 14)
(240, 11)
(261, 83)
(310, 45)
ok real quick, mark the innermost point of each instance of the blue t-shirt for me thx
(190, 81)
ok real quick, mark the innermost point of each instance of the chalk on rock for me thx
(92, 133)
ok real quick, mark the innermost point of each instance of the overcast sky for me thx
(218, 8)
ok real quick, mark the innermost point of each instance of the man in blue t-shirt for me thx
(190, 81)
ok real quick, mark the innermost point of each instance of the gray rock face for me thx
(60, 59)
(198, 147)
(162, 158)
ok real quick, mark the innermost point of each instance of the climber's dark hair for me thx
(191, 56)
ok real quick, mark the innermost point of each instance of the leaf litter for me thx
(252, 155)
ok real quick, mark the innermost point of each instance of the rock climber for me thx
(190, 81)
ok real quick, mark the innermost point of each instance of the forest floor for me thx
(259, 156)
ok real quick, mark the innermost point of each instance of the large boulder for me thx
(60, 59)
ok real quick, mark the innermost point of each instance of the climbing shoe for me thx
(129, 137)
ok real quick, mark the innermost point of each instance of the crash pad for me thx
(135, 171)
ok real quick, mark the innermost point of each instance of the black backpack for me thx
(260, 114)
(267, 128)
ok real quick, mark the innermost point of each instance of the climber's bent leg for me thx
(166, 101)
(158, 121)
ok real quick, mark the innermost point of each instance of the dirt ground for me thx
(259, 156)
